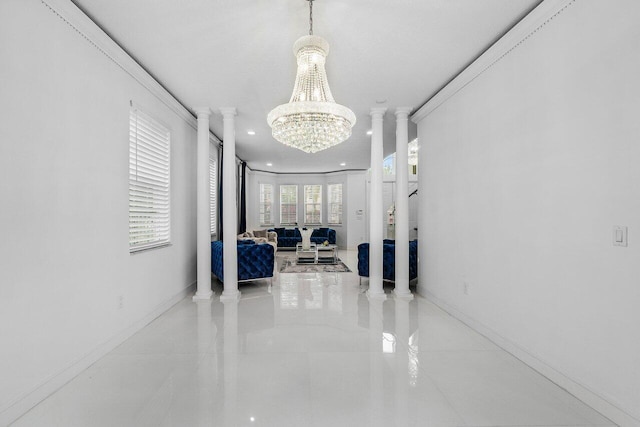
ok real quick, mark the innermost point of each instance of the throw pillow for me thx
(260, 233)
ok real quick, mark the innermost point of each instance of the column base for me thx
(200, 296)
(230, 296)
(380, 296)
(408, 296)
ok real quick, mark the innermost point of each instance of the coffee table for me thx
(327, 254)
(306, 256)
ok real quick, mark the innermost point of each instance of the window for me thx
(149, 224)
(266, 200)
(288, 204)
(389, 165)
(313, 204)
(213, 191)
(334, 193)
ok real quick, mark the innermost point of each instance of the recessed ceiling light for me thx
(369, 132)
(269, 164)
(343, 164)
(251, 132)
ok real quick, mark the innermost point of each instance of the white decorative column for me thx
(203, 219)
(229, 206)
(376, 214)
(402, 204)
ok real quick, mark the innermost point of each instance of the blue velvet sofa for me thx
(388, 260)
(289, 237)
(255, 261)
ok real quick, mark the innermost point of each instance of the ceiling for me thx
(237, 53)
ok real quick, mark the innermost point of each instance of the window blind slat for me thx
(148, 182)
(150, 146)
(151, 133)
(151, 172)
(149, 153)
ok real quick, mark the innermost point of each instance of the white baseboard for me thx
(30, 399)
(606, 408)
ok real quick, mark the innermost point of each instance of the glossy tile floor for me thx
(310, 350)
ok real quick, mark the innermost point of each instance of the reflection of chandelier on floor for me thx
(311, 121)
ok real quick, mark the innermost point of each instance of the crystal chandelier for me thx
(311, 121)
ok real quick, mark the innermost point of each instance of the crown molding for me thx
(92, 33)
(527, 27)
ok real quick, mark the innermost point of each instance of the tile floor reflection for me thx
(309, 350)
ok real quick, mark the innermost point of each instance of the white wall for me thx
(524, 172)
(64, 141)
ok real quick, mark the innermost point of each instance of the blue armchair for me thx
(255, 261)
(388, 260)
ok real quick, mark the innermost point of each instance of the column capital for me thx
(202, 112)
(378, 111)
(403, 112)
(228, 111)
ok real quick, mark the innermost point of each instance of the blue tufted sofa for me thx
(388, 260)
(255, 261)
(289, 237)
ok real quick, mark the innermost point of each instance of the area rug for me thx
(289, 265)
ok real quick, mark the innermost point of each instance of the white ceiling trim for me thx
(83, 25)
(530, 24)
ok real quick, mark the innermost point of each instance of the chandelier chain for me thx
(310, 17)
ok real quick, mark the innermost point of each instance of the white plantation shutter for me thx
(313, 204)
(213, 181)
(149, 224)
(335, 203)
(288, 204)
(266, 197)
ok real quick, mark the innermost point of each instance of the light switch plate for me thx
(619, 235)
